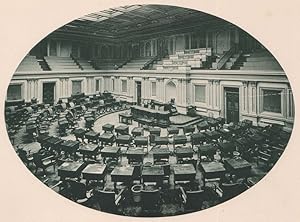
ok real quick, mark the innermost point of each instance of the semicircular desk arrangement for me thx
(112, 156)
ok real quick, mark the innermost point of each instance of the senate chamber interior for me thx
(149, 111)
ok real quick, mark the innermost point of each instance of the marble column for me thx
(118, 85)
(252, 92)
(131, 88)
(184, 92)
(216, 94)
(146, 87)
(245, 97)
(179, 89)
(210, 93)
(188, 95)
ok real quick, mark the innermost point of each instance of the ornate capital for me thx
(253, 84)
(245, 83)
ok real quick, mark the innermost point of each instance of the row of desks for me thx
(236, 166)
(154, 173)
(71, 147)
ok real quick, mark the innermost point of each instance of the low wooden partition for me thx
(154, 117)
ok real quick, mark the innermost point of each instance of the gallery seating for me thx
(61, 63)
(29, 63)
(194, 58)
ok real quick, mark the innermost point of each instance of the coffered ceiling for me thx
(138, 22)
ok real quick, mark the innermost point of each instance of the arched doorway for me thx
(170, 91)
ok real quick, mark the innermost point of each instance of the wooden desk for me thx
(157, 117)
(137, 131)
(257, 139)
(235, 128)
(184, 152)
(203, 125)
(31, 128)
(184, 172)
(70, 147)
(101, 108)
(108, 128)
(94, 171)
(220, 120)
(157, 104)
(160, 153)
(158, 140)
(89, 150)
(135, 154)
(122, 174)
(42, 139)
(153, 174)
(107, 138)
(79, 133)
(92, 136)
(122, 129)
(92, 111)
(89, 122)
(189, 129)
(207, 150)
(179, 139)
(172, 130)
(226, 147)
(110, 152)
(54, 144)
(141, 141)
(125, 118)
(212, 170)
(226, 133)
(123, 140)
(197, 138)
(70, 169)
(155, 131)
(238, 166)
(213, 135)
(212, 123)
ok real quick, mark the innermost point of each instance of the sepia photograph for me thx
(149, 110)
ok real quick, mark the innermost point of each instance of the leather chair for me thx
(151, 200)
(109, 201)
(25, 157)
(77, 192)
(43, 162)
(227, 191)
(192, 200)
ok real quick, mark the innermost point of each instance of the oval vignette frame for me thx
(267, 87)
